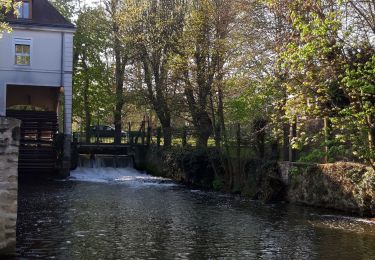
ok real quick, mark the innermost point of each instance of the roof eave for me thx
(38, 26)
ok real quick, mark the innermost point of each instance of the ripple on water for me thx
(125, 214)
(344, 223)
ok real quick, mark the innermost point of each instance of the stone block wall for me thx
(9, 145)
(343, 186)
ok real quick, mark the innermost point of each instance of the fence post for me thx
(184, 137)
(143, 132)
(148, 133)
(130, 136)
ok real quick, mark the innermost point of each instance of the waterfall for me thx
(105, 161)
(105, 168)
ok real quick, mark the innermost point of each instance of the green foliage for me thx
(7, 7)
(314, 156)
(212, 64)
(310, 60)
(92, 75)
(65, 7)
(295, 171)
(327, 75)
(251, 103)
(359, 118)
(218, 184)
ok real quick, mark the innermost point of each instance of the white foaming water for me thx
(117, 175)
(352, 219)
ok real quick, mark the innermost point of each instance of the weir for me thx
(105, 161)
(111, 156)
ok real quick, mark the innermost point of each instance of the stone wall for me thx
(9, 143)
(189, 166)
(343, 186)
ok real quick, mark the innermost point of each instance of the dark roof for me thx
(43, 14)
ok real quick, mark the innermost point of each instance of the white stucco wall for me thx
(67, 82)
(46, 64)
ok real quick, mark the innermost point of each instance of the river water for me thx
(124, 214)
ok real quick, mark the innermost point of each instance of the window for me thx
(24, 9)
(22, 52)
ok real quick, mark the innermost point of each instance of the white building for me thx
(36, 72)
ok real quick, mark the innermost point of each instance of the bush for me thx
(218, 184)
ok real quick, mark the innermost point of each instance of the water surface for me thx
(122, 214)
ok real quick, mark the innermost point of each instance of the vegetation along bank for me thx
(348, 187)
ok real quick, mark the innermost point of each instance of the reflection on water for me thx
(118, 214)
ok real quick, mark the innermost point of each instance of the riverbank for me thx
(348, 187)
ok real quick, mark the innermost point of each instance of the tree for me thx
(275, 66)
(122, 53)
(8, 7)
(326, 62)
(159, 27)
(200, 61)
(66, 7)
(358, 81)
(364, 15)
(359, 117)
(92, 75)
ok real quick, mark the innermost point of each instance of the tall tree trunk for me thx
(215, 125)
(87, 120)
(167, 134)
(371, 138)
(220, 111)
(155, 78)
(292, 135)
(204, 128)
(201, 119)
(86, 102)
(119, 76)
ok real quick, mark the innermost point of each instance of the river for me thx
(123, 214)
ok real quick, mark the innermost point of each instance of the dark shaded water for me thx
(121, 214)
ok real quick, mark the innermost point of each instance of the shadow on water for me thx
(121, 213)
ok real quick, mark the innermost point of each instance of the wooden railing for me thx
(145, 134)
(105, 137)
